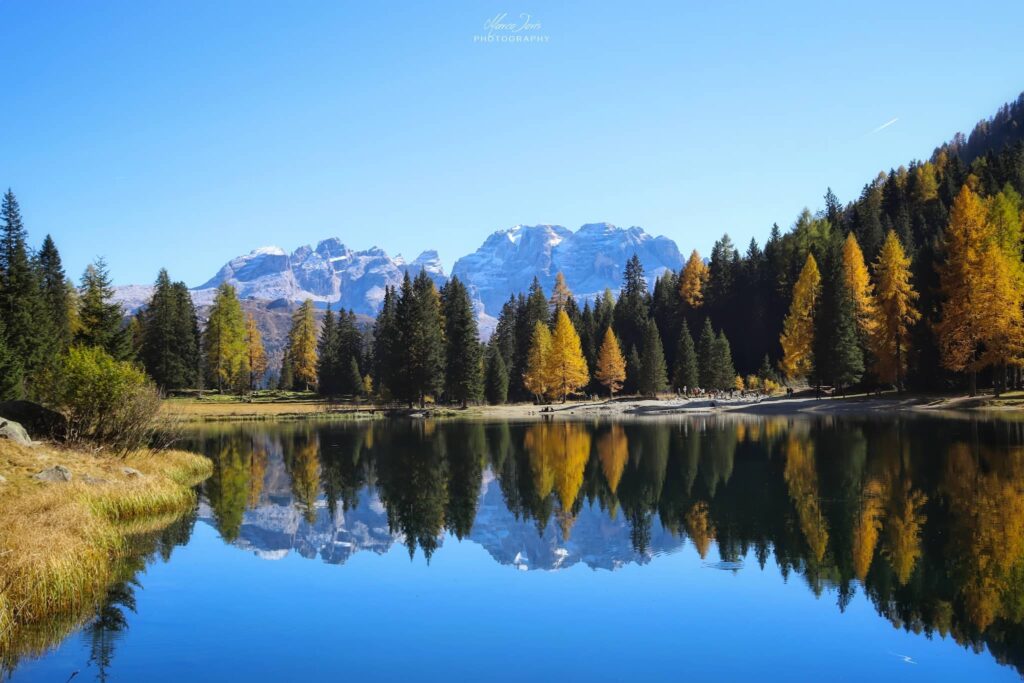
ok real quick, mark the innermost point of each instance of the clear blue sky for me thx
(180, 134)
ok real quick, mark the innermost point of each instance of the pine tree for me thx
(653, 370)
(845, 355)
(798, 329)
(354, 380)
(496, 385)
(386, 342)
(723, 370)
(631, 308)
(224, 342)
(611, 366)
(56, 297)
(168, 344)
(565, 366)
(327, 361)
(421, 353)
(707, 359)
(530, 310)
(301, 347)
(256, 354)
(463, 364)
(21, 304)
(895, 311)
(633, 365)
(101, 320)
(536, 379)
(686, 374)
(11, 386)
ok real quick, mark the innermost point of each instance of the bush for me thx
(108, 402)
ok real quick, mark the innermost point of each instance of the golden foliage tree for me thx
(858, 283)
(565, 366)
(801, 475)
(981, 321)
(560, 294)
(894, 311)
(798, 328)
(301, 350)
(611, 366)
(535, 378)
(224, 341)
(692, 281)
(256, 354)
(613, 452)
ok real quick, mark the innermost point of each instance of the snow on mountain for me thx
(591, 259)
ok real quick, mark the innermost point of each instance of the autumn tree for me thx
(560, 293)
(798, 328)
(300, 350)
(895, 312)
(692, 281)
(611, 366)
(536, 379)
(565, 366)
(859, 288)
(224, 341)
(256, 354)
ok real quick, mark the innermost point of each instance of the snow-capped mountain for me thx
(591, 259)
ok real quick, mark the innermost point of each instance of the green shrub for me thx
(108, 402)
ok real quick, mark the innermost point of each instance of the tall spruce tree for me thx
(57, 301)
(707, 360)
(845, 356)
(386, 343)
(723, 370)
(631, 309)
(422, 357)
(653, 370)
(496, 382)
(11, 386)
(327, 362)
(168, 347)
(463, 355)
(101, 319)
(21, 303)
(686, 374)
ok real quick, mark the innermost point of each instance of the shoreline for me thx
(63, 543)
(1010, 405)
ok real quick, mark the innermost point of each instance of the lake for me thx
(707, 547)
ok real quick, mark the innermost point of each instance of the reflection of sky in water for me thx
(816, 498)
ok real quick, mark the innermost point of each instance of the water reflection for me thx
(926, 517)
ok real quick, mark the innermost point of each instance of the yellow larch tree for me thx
(535, 378)
(566, 368)
(692, 280)
(981, 321)
(611, 366)
(894, 311)
(254, 350)
(798, 328)
(858, 283)
(560, 293)
(613, 452)
(301, 351)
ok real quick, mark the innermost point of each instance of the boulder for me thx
(94, 481)
(38, 421)
(57, 473)
(131, 472)
(9, 429)
(3, 480)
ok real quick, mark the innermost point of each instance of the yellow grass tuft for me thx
(60, 543)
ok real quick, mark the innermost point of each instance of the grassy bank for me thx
(62, 544)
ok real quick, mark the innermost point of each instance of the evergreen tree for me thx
(496, 383)
(632, 383)
(101, 320)
(707, 359)
(724, 373)
(530, 310)
(168, 346)
(463, 362)
(611, 366)
(353, 378)
(56, 295)
(327, 351)
(386, 344)
(11, 386)
(256, 354)
(686, 370)
(845, 359)
(224, 348)
(631, 308)
(21, 304)
(301, 347)
(422, 353)
(653, 370)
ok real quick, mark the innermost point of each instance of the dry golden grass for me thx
(205, 410)
(60, 542)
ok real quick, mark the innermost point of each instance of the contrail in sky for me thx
(884, 126)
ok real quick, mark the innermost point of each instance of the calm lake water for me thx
(709, 548)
